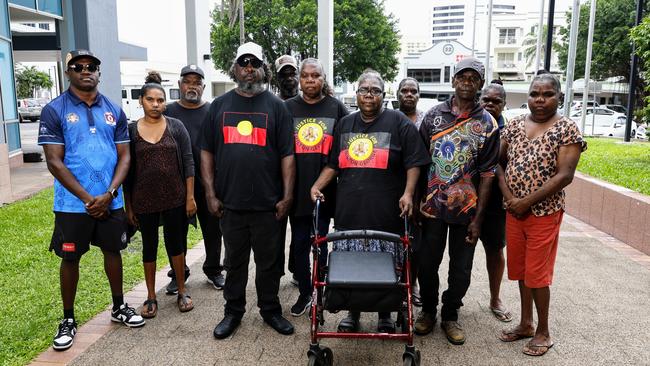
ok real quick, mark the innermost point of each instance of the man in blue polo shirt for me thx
(86, 143)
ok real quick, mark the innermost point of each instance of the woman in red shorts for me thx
(539, 155)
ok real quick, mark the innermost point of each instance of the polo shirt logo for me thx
(110, 119)
(244, 128)
(365, 150)
(312, 135)
(72, 117)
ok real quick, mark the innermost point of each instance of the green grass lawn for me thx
(624, 164)
(29, 278)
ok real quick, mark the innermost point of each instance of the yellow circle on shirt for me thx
(310, 134)
(245, 128)
(360, 149)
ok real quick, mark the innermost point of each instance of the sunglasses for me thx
(245, 61)
(80, 67)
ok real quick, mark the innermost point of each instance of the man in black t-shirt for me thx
(191, 110)
(248, 171)
(286, 69)
(315, 115)
(377, 157)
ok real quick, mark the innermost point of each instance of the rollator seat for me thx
(369, 270)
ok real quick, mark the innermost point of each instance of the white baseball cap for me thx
(250, 48)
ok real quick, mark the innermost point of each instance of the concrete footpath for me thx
(599, 316)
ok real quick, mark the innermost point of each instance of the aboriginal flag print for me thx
(313, 135)
(364, 150)
(245, 128)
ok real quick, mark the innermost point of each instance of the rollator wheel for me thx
(328, 357)
(313, 361)
(410, 360)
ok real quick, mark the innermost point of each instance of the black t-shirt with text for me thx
(313, 128)
(193, 121)
(248, 137)
(372, 160)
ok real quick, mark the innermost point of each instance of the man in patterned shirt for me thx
(463, 141)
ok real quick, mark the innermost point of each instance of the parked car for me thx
(514, 112)
(424, 104)
(606, 122)
(29, 109)
(577, 104)
(616, 108)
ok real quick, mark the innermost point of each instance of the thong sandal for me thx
(511, 335)
(149, 309)
(502, 315)
(541, 349)
(184, 302)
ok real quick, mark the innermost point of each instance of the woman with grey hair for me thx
(377, 165)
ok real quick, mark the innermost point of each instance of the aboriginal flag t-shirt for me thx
(372, 160)
(248, 137)
(313, 131)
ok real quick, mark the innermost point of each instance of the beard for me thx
(192, 97)
(289, 88)
(248, 87)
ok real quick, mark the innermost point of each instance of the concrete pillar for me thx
(5, 176)
(92, 25)
(326, 37)
(197, 32)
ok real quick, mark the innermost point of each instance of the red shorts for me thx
(532, 247)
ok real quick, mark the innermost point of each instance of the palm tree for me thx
(530, 45)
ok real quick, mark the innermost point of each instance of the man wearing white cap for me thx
(248, 171)
(286, 68)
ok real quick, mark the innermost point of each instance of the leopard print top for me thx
(532, 162)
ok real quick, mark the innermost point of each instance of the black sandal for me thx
(184, 302)
(148, 305)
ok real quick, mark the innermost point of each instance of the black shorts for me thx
(74, 232)
(493, 231)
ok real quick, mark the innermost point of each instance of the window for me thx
(124, 94)
(448, 27)
(135, 93)
(51, 6)
(26, 3)
(450, 14)
(4, 21)
(44, 26)
(506, 60)
(447, 74)
(507, 35)
(174, 94)
(424, 75)
(7, 83)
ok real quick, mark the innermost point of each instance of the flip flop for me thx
(148, 310)
(502, 315)
(511, 335)
(541, 349)
(184, 302)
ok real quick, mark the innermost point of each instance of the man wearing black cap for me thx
(463, 141)
(192, 110)
(248, 171)
(86, 143)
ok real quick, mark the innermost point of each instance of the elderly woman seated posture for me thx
(539, 154)
(377, 155)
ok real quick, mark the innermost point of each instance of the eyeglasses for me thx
(375, 92)
(244, 61)
(81, 67)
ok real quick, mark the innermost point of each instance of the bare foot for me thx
(516, 333)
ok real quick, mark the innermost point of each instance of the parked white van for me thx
(131, 93)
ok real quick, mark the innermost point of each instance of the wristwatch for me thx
(113, 192)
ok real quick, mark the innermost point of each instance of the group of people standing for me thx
(459, 172)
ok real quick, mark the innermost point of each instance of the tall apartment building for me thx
(466, 21)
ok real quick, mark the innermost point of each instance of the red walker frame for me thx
(323, 356)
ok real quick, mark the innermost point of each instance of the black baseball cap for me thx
(192, 69)
(73, 55)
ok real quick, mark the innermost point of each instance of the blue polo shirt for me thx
(90, 135)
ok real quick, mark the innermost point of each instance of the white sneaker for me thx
(127, 316)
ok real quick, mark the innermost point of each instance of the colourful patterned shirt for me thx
(463, 148)
(532, 162)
